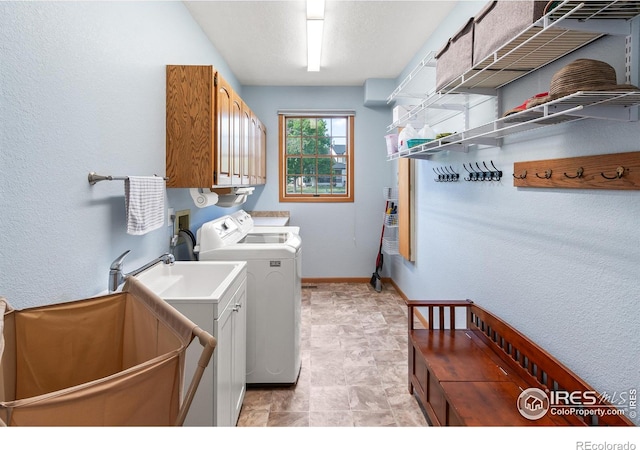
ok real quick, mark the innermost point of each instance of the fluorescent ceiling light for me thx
(314, 44)
(315, 9)
(315, 24)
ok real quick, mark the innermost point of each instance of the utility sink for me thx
(190, 280)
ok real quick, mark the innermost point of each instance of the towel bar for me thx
(94, 178)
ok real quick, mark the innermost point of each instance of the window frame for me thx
(348, 196)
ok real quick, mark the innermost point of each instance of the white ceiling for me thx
(264, 42)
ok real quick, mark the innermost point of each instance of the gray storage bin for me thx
(501, 21)
(455, 58)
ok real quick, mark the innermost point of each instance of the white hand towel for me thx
(144, 204)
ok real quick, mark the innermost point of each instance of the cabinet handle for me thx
(237, 307)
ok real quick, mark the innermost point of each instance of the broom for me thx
(375, 278)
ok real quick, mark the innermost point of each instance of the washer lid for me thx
(250, 252)
(265, 238)
(282, 245)
(274, 229)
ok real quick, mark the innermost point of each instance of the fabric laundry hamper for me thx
(114, 360)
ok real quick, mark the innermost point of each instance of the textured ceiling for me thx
(264, 42)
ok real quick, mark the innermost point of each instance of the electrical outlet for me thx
(181, 222)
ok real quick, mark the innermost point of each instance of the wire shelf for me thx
(555, 35)
(413, 86)
(390, 220)
(390, 246)
(566, 28)
(577, 106)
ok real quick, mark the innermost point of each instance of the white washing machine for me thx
(274, 293)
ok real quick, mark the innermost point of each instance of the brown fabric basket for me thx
(113, 360)
(454, 58)
(501, 21)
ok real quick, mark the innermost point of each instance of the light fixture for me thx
(314, 44)
(315, 26)
(315, 9)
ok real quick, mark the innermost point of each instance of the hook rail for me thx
(615, 171)
(478, 174)
(94, 178)
(446, 174)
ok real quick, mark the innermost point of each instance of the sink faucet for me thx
(116, 275)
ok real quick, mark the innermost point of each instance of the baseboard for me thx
(335, 280)
(396, 287)
(417, 313)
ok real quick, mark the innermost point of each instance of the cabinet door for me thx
(224, 369)
(246, 145)
(253, 150)
(203, 409)
(190, 126)
(239, 351)
(224, 152)
(262, 154)
(236, 140)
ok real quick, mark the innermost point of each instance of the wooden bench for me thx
(473, 373)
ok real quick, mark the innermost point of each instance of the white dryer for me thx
(274, 293)
(246, 223)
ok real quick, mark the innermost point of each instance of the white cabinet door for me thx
(224, 361)
(202, 410)
(239, 350)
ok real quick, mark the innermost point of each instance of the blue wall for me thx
(82, 88)
(339, 239)
(562, 266)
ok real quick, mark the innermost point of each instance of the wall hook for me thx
(578, 174)
(453, 176)
(619, 173)
(472, 175)
(521, 176)
(495, 174)
(446, 176)
(480, 175)
(547, 174)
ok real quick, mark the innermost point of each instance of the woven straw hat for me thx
(582, 75)
(585, 75)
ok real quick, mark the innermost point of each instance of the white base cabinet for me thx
(219, 397)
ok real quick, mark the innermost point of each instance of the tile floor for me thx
(354, 364)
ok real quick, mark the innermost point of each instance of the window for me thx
(316, 157)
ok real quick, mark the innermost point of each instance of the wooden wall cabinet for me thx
(213, 137)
